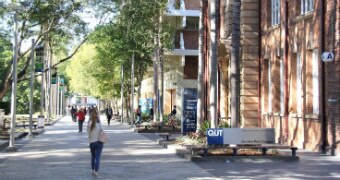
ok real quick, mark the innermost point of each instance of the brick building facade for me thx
(299, 92)
(284, 82)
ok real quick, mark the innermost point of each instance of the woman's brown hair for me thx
(94, 119)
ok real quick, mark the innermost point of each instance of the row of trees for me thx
(125, 28)
(97, 68)
(57, 25)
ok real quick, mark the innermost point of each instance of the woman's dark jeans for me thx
(80, 126)
(96, 152)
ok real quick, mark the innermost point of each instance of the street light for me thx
(122, 94)
(11, 147)
(132, 86)
(30, 134)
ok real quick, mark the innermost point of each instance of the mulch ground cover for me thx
(156, 129)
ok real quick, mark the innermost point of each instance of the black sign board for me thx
(39, 61)
(54, 79)
(189, 113)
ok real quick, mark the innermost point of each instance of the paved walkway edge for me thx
(5, 143)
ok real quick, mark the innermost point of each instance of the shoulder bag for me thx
(103, 137)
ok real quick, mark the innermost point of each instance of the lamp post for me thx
(30, 134)
(122, 95)
(11, 146)
(58, 104)
(132, 86)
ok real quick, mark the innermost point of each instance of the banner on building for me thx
(146, 104)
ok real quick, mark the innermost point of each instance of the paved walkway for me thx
(63, 153)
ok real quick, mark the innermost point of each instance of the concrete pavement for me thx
(63, 153)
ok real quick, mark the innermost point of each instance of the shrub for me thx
(223, 124)
(145, 117)
(205, 126)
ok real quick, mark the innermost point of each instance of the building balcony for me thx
(188, 8)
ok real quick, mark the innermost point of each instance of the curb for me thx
(5, 144)
(38, 131)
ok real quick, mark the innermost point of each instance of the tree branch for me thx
(23, 72)
(74, 52)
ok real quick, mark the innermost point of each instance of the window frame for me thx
(299, 83)
(275, 12)
(270, 92)
(282, 86)
(315, 81)
(307, 6)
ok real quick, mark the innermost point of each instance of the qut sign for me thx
(215, 136)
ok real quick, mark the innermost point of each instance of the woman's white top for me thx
(94, 134)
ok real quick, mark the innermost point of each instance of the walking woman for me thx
(96, 147)
(81, 118)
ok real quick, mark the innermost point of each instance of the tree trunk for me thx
(213, 62)
(155, 83)
(201, 68)
(4, 88)
(235, 72)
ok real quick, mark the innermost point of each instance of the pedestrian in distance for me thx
(93, 129)
(81, 118)
(174, 111)
(85, 111)
(151, 113)
(74, 113)
(139, 115)
(108, 112)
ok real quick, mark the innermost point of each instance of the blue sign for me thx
(189, 113)
(215, 136)
(146, 105)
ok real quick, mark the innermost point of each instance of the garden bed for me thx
(157, 129)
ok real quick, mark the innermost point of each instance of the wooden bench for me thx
(166, 135)
(27, 123)
(264, 148)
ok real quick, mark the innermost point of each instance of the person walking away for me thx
(81, 119)
(108, 112)
(139, 115)
(74, 113)
(96, 147)
(85, 111)
(174, 111)
(151, 114)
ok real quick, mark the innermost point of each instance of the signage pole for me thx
(132, 87)
(48, 79)
(58, 97)
(30, 134)
(61, 103)
(122, 95)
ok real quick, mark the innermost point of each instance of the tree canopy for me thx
(131, 31)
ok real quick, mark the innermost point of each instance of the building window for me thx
(192, 23)
(270, 93)
(281, 86)
(275, 12)
(307, 6)
(315, 75)
(190, 67)
(298, 83)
